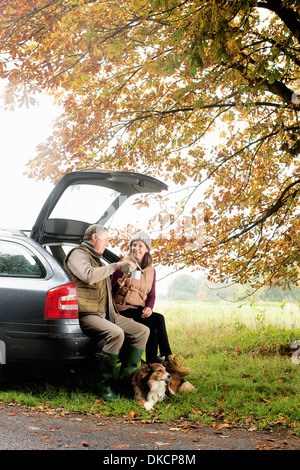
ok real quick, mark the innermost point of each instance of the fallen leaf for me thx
(196, 412)
(221, 426)
(265, 399)
(131, 414)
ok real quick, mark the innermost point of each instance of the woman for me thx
(134, 296)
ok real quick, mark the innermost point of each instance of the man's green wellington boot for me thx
(107, 366)
(129, 365)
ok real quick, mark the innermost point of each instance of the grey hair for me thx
(95, 228)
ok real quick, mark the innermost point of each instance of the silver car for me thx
(39, 326)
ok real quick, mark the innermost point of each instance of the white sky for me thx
(20, 132)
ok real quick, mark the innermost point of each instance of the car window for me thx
(85, 202)
(18, 261)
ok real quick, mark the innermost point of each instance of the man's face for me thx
(100, 243)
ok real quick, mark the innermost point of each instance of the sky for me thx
(20, 132)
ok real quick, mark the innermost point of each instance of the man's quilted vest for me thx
(135, 291)
(92, 298)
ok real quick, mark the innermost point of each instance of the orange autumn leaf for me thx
(266, 400)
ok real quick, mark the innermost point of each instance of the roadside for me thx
(24, 428)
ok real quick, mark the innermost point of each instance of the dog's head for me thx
(158, 372)
(155, 371)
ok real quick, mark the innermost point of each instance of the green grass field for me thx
(242, 368)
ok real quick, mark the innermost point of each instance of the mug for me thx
(136, 274)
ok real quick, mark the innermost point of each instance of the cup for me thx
(136, 274)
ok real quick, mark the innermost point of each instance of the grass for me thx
(241, 364)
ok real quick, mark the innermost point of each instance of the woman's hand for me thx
(121, 281)
(147, 311)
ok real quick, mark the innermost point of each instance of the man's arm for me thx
(80, 265)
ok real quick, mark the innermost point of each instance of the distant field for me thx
(258, 327)
(284, 315)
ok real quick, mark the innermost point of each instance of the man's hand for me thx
(125, 261)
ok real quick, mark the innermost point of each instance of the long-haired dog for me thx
(149, 384)
(153, 382)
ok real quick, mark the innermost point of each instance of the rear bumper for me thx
(47, 344)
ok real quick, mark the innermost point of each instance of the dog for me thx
(149, 384)
(154, 382)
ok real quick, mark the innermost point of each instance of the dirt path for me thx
(26, 429)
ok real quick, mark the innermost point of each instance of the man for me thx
(97, 314)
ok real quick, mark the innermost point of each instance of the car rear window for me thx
(18, 261)
(85, 202)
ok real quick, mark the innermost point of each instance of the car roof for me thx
(11, 232)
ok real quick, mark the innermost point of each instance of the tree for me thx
(183, 287)
(143, 83)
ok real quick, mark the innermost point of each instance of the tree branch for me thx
(282, 199)
(289, 16)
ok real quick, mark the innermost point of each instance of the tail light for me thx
(61, 302)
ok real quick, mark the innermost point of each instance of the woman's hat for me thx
(143, 237)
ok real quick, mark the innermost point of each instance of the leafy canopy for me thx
(144, 83)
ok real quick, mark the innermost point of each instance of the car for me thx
(39, 326)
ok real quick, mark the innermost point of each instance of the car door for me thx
(25, 278)
(86, 197)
